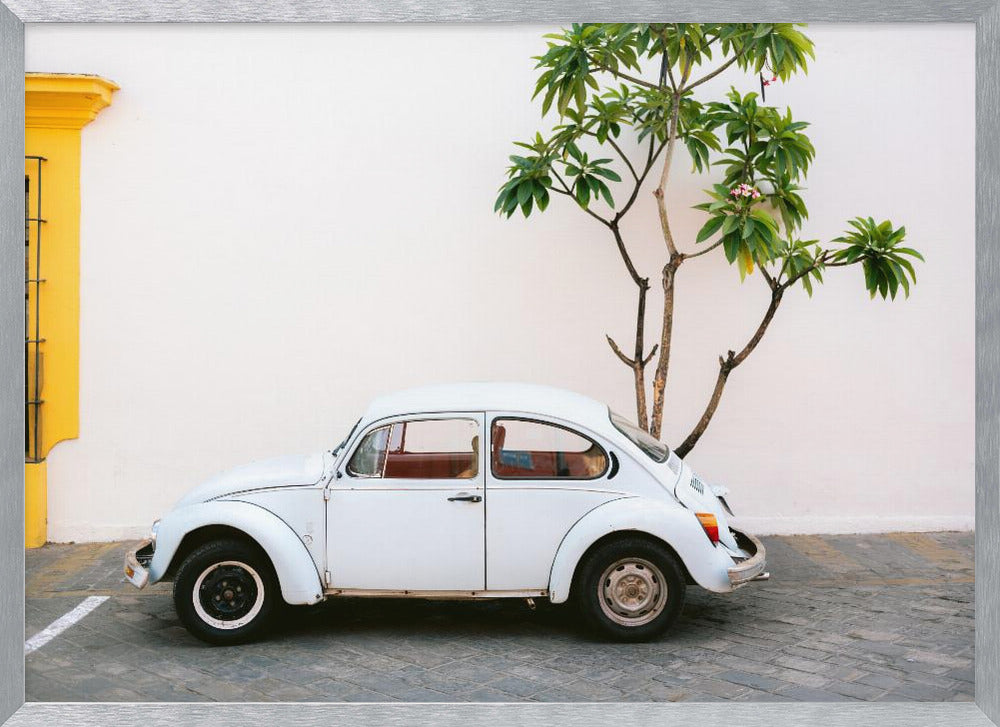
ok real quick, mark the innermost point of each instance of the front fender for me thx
(297, 575)
(674, 525)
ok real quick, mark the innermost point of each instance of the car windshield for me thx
(347, 438)
(655, 449)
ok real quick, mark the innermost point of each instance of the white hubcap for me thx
(228, 595)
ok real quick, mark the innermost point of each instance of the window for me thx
(369, 457)
(655, 449)
(428, 449)
(526, 449)
(34, 354)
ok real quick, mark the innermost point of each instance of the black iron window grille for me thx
(33, 355)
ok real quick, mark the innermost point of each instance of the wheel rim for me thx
(632, 592)
(228, 595)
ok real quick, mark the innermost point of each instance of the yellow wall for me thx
(57, 107)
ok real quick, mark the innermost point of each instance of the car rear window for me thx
(654, 449)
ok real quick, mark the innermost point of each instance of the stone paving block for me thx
(717, 688)
(366, 695)
(966, 675)
(488, 694)
(855, 690)
(756, 695)
(802, 678)
(809, 694)
(516, 686)
(420, 694)
(755, 681)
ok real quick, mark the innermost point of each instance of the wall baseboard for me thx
(848, 524)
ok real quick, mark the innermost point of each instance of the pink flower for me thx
(745, 190)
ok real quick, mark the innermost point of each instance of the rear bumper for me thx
(754, 567)
(137, 562)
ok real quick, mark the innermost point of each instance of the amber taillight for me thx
(709, 524)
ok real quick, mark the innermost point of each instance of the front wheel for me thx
(225, 592)
(630, 589)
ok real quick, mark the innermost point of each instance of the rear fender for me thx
(297, 575)
(674, 525)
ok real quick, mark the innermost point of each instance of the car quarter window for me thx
(369, 457)
(419, 449)
(530, 449)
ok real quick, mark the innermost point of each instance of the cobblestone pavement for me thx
(877, 617)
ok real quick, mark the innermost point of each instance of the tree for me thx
(592, 77)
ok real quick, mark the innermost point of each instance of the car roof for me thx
(481, 396)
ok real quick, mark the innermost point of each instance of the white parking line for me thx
(62, 623)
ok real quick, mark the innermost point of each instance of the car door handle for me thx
(465, 497)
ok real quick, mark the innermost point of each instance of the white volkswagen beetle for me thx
(459, 491)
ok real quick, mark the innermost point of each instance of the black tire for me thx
(236, 571)
(630, 579)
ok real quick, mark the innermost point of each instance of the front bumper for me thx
(137, 563)
(754, 567)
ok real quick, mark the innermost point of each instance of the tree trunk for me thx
(666, 336)
(639, 365)
(669, 273)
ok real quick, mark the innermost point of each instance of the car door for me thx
(407, 508)
(543, 476)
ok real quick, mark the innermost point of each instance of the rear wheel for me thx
(225, 592)
(630, 589)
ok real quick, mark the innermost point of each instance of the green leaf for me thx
(524, 192)
(606, 173)
(710, 228)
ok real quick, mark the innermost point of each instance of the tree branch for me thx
(619, 74)
(638, 363)
(618, 352)
(621, 153)
(626, 258)
(726, 365)
(670, 75)
(820, 261)
(624, 158)
(639, 368)
(771, 282)
(703, 251)
(652, 157)
(716, 72)
(665, 175)
(567, 191)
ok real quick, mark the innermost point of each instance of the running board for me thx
(448, 595)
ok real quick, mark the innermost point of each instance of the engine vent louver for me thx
(698, 485)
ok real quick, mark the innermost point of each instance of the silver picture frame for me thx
(986, 709)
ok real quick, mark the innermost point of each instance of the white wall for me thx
(280, 222)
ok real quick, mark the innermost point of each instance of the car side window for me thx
(369, 457)
(529, 449)
(430, 449)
